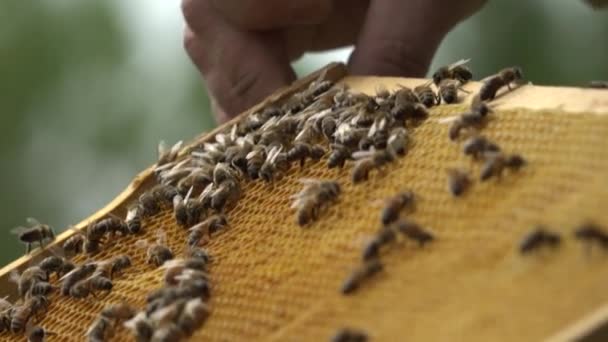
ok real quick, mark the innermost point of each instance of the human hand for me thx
(243, 48)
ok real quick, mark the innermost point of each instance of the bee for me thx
(426, 95)
(167, 333)
(477, 146)
(74, 244)
(148, 204)
(29, 277)
(366, 270)
(458, 181)
(6, 311)
(398, 141)
(193, 316)
(371, 249)
(413, 231)
(226, 194)
(379, 132)
(320, 85)
(167, 155)
(338, 155)
(394, 205)
(492, 84)
(349, 335)
(38, 334)
(315, 195)
(198, 253)
(405, 95)
(223, 172)
(474, 118)
(367, 161)
(590, 232)
(112, 225)
(118, 312)
(41, 288)
(537, 238)
(496, 162)
(448, 90)
(156, 253)
(301, 151)
(101, 329)
(456, 71)
(328, 127)
(76, 275)
(598, 84)
(409, 111)
(108, 268)
(141, 326)
(55, 264)
(255, 160)
(91, 246)
(176, 270)
(36, 232)
(133, 220)
(90, 285)
(349, 135)
(201, 175)
(276, 162)
(31, 307)
(207, 227)
(180, 208)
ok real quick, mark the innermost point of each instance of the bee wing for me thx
(364, 154)
(69, 273)
(132, 323)
(458, 63)
(208, 189)
(274, 153)
(14, 276)
(162, 147)
(308, 181)
(175, 148)
(132, 212)
(32, 221)
(172, 263)
(188, 194)
(448, 120)
(233, 132)
(18, 230)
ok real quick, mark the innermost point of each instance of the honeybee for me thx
(118, 312)
(366, 161)
(76, 275)
(590, 232)
(101, 329)
(379, 132)
(398, 141)
(166, 154)
(193, 316)
(237, 155)
(426, 95)
(394, 206)
(349, 135)
(492, 84)
(6, 311)
(25, 280)
(199, 177)
(41, 288)
(255, 160)
(537, 238)
(349, 335)
(74, 244)
(448, 90)
(167, 333)
(404, 95)
(371, 249)
(36, 232)
(301, 151)
(328, 127)
(598, 84)
(91, 246)
(477, 146)
(456, 71)
(185, 270)
(413, 231)
(496, 162)
(474, 118)
(276, 162)
(148, 204)
(55, 264)
(141, 327)
(90, 285)
(179, 208)
(409, 111)
(111, 225)
(157, 253)
(338, 155)
(226, 195)
(31, 307)
(37, 334)
(198, 253)
(458, 181)
(315, 195)
(366, 270)
(108, 268)
(207, 227)
(133, 220)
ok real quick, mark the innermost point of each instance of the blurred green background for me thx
(90, 87)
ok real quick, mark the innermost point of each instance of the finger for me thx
(273, 14)
(399, 38)
(240, 68)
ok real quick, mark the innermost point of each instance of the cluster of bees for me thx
(541, 237)
(200, 184)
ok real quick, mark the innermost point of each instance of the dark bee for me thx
(52, 264)
(349, 335)
(36, 232)
(148, 204)
(255, 160)
(496, 162)
(74, 244)
(394, 206)
(458, 181)
(166, 154)
(276, 163)
(111, 225)
(398, 141)
(141, 326)
(118, 312)
(91, 246)
(472, 119)
(41, 288)
(590, 232)
(448, 91)
(367, 161)
(207, 227)
(477, 146)
(409, 111)
(328, 127)
(29, 277)
(598, 84)
(301, 151)
(108, 268)
(354, 280)
(225, 196)
(338, 155)
(102, 329)
(32, 307)
(193, 316)
(76, 275)
(492, 84)
(89, 286)
(133, 220)
(315, 195)
(414, 232)
(385, 236)
(38, 334)
(456, 71)
(426, 95)
(156, 253)
(538, 238)
(198, 253)
(180, 210)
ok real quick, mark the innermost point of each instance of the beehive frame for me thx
(540, 104)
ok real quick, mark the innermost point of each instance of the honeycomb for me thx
(272, 280)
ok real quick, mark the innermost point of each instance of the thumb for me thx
(399, 38)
